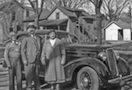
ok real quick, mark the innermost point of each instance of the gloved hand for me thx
(43, 62)
(25, 63)
(9, 66)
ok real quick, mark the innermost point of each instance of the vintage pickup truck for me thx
(90, 67)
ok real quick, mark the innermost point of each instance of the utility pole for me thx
(131, 18)
(131, 14)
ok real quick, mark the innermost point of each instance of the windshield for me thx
(68, 38)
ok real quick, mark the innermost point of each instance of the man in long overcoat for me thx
(30, 50)
(53, 54)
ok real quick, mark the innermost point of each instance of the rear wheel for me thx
(87, 79)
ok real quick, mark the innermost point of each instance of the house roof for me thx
(43, 15)
(67, 11)
(70, 12)
(9, 6)
(119, 23)
(28, 8)
(64, 10)
(123, 25)
(87, 15)
(46, 13)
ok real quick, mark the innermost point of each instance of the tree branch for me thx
(36, 6)
(81, 3)
(41, 8)
(105, 6)
(20, 4)
(100, 3)
(75, 3)
(93, 2)
(32, 5)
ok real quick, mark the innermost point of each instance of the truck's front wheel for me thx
(87, 79)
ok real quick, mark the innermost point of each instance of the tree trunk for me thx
(37, 21)
(99, 25)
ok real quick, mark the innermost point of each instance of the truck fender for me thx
(72, 68)
(123, 66)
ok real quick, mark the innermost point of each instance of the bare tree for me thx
(36, 8)
(129, 13)
(113, 8)
(9, 16)
(98, 4)
(49, 4)
(71, 3)
(5, 22)
(4, 1)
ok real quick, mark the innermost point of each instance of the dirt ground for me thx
(4, 82)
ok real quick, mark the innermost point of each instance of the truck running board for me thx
(119, 79)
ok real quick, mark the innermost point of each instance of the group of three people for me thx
(31, 54)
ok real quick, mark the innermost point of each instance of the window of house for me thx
(57, 15)
(13, 16)
(27, 13)
(18, 27)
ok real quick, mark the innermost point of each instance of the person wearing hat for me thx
(53, 56)
(30, 51)
(13, 61)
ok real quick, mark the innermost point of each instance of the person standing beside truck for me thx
(53, 55)
(30, 51)
(13, 61)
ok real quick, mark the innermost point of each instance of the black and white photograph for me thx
(65, 44)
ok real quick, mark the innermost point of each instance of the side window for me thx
(57, 15)
(13, 16)
(27, 13)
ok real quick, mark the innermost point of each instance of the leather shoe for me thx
(57, 87)
(52, 87)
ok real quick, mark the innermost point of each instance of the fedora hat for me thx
(51, 30)
(12, 33)
(31, 25)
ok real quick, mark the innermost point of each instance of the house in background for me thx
(12, 16)
(117, 30)
(31, 16)
(75, 21)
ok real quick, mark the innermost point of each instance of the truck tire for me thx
(87, 79)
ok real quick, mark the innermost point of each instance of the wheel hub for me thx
(85, 81)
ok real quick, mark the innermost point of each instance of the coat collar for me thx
(35, 41)
(56, 42)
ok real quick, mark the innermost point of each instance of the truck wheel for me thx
(87, 79)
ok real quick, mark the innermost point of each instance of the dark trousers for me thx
(15, 70)
(32, 74)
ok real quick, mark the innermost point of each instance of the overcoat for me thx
(30, 49)
(55, 56)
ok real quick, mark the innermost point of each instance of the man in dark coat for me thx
(13, 61)
(54, 53)
(30, 50)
